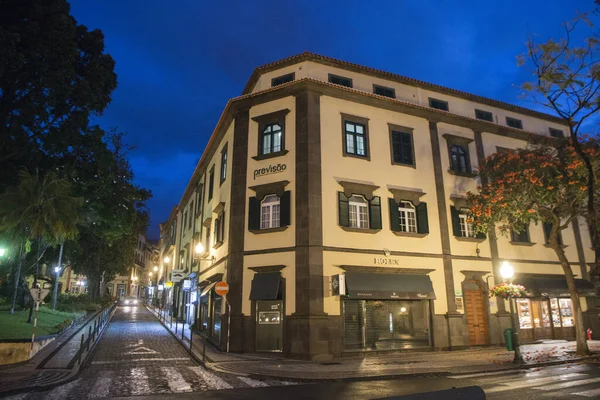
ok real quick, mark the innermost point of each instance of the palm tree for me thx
(40, 208)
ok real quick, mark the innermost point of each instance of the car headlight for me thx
(126, 301)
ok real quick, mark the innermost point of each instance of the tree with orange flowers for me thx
(540, 184)
(566, 80)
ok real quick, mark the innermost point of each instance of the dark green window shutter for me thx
(394, 216)
(455, 221)
(285, 210)
(375, 213)
(422, 218)
(343, 209)
(254, 214)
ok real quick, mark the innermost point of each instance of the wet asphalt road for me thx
(137, 356)
(576, 381)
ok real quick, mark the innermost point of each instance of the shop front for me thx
(384, 311)
(209, 308)
(548, 314)
(266, 294)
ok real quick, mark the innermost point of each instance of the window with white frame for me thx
(270, 212)
(408, 217)
(466, 226)
(359, 214)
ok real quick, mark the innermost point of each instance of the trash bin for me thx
(508, 339)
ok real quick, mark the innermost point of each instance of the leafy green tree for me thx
(539, 184)
(566, 80)
(114, 211)
(54, 76)
(42, 209)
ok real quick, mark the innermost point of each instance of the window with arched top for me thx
(270, 212)
(359, 212)
(408, 217)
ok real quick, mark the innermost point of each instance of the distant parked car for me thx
(128, 301)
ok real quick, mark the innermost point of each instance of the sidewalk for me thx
(59, 361)
(481, 359)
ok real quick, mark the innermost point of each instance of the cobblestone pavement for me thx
(137, 356)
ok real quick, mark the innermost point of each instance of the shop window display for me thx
(566, 312)
(385, 324)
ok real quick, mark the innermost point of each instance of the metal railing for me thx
(93, 334)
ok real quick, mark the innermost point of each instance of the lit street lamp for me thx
(507, 272)
(155, 269)
(2, 251)
(199, 248)
(167, 259)
(57, 272)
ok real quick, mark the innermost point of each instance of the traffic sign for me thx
(221, 288)
(39, 294)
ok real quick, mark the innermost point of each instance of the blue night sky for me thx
(178, 62)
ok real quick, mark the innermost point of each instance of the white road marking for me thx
(138, 383)
(139, 343)
(589, 393)
(141, 359)
(511, 372)
(252, 382)
(212, 380)
(569, 384)
(141, 350)
(62, 392)
(176, 382)
(530, 383)
(102, 385)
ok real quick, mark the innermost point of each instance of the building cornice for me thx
(324, 60)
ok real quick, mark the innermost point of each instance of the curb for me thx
(72, 374)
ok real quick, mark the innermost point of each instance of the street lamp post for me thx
(57, 272)
(507, 272)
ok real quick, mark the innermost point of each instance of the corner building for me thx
(331, 198)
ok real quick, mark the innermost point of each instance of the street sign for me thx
(38, 294)
(168, 284)
(177, 275)
(221, 288)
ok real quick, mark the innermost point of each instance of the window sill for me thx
(268, 230)
(469, 239)
(218, 244)
(270, 155)
(404, 165)
(410, 234)
(366, 157)
(359, 230)
(465, 174)
(564, 246)
(523, 243)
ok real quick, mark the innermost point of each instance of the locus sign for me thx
(271, 169)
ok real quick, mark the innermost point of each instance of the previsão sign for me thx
(271, 169)
(221, 288)
(187, 284)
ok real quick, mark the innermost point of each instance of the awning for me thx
(207, 289)
(389, 286)
(265, 286)
(554, 286)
